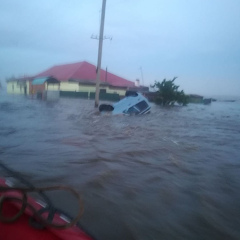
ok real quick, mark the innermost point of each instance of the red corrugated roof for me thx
(84, 71)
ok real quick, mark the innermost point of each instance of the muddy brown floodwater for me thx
(171, 174)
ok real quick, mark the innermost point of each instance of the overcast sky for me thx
(196, 40)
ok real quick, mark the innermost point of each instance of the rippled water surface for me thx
(172, 174)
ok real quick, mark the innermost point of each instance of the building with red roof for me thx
(84, 72)
(77, 79)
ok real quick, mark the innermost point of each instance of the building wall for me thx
(52, 87)
(195, 98)
(14, 87)
(87, 88)
(28, 87)
(75, 87)
(69, 86)
(119, 91)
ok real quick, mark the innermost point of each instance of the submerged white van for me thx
(133, 104)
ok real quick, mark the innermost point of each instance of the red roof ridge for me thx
(70, 64)
(84, 70)
(73, 63)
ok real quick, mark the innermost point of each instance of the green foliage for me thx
(168, 93)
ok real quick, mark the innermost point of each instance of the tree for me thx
(168, 94)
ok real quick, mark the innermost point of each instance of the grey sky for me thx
(196, 40)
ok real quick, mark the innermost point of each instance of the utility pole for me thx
(100, 53)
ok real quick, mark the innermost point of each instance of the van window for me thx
(132, 110)
(141, 106)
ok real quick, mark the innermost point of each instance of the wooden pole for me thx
(100, 53)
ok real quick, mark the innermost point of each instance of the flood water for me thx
(171, 174)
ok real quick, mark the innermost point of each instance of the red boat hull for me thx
(21, 230)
